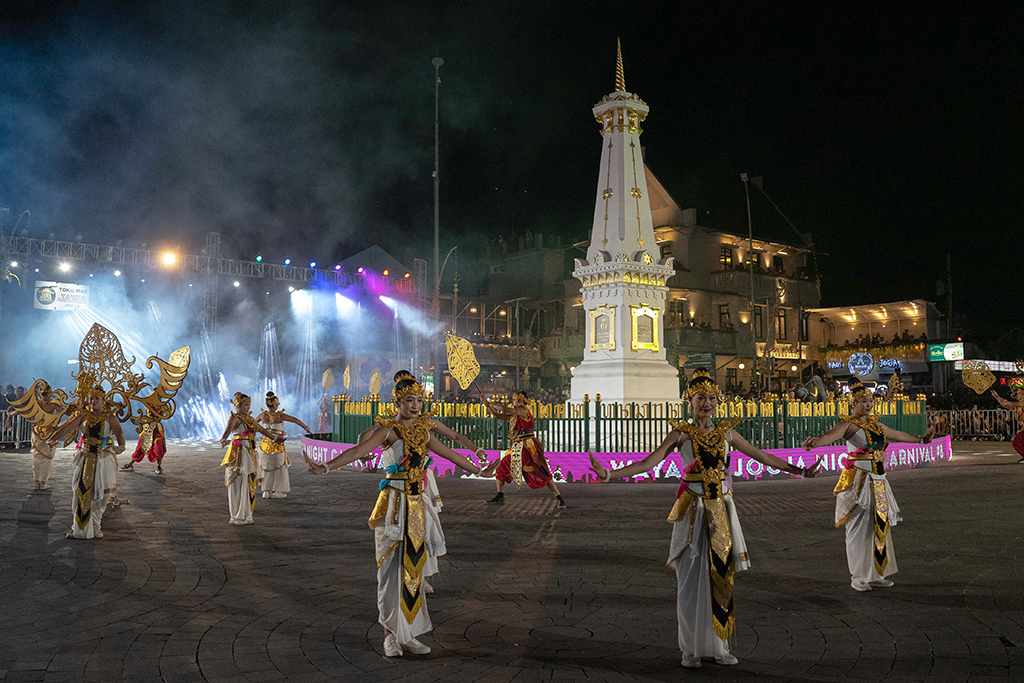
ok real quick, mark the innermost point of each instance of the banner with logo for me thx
(60, 296)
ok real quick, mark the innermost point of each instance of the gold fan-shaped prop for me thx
(346, 378)
(977, 376)
(327, 381)
(375, 382)
(462, 362)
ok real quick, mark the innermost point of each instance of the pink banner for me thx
(576, 466)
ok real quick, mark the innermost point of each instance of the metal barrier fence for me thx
(15, 431)
(633, 427)
(995, 425)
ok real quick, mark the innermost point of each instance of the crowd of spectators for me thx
(877, 339)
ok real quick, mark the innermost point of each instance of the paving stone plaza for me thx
(526, 593)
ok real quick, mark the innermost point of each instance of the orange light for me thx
(385, 272)
(407, 275)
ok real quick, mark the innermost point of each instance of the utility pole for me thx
(753, 307)
(434, 358)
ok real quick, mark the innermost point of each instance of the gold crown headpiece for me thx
(96, 390)
(414, 389)
(45, 388)
(237, 400)
(528, 401)
(702, 384)
(858, 390)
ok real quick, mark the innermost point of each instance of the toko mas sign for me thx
(576, 466)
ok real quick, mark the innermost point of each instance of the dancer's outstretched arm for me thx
(294, 420)
(371, 439)
(458, 438)
(671, 441)
(437, 447)
(838, 431)
(897, 435)
(751, 451)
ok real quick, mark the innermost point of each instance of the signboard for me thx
(60, 296)
(602, 328)
(576, 466)
(940, 352)
(700, 360)
(645, 327)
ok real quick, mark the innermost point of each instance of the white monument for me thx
(623, 277)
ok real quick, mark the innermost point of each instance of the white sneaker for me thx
(275, 494)
(44, 487)
(416, 647)
(726, 660)
(427, 588)
(691, 661)
(391, 646)
(860, 585)
(97, 534)
(266, 494)
(882, 583)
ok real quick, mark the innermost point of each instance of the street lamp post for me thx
(437, 62)
(753, 309)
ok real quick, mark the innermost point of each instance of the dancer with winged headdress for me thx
(95, 477)
(707, 546)
(865, 504)
(38, 407)
(402, 527)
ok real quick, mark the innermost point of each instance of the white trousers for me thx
(860, 544)
(693, 603)
(274, 470)
(104, 486)
(239, 506)
(389, 601)
(42, 459)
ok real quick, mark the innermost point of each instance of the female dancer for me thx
(868, 512)
(1018, 407)
(273, 459)
(95, 478)
(431, 495)
(240, 473)
(707, 541)
(524, 460)
(152, 444)
(42, 451)
(403, 530)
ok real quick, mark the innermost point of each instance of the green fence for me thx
(633, 427)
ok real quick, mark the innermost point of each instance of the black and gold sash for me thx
(93, 442)
(710, 461)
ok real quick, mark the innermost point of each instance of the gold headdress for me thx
(414, 389)
(526, 399)
(858, 390)
(96, 390)
(701, 383)
(237, 400)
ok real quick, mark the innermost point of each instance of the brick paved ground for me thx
(173, 593)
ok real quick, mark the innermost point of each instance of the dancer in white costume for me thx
(273, 459)
(864, 501)
(95, 478)
(241, 472)
(403, 529)
(42, 450)
(431, 495)
(707, 541)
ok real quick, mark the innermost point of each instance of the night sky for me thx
(306, 129)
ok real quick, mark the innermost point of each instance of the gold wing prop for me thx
(161, 400)
(346, 378)
(327, 381)
(977, 376)
(375, 382)
(462, 363)
(31, 408)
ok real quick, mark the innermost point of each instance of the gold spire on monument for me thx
(620, 77)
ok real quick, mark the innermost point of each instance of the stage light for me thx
(337, 267)
(65, 267)
(385, 272)
(312, 264)
(117, 273)
(344, 305)
(742, 366)
(302, 302)
(169, 259)
(291, 289)
(143, 279)
(407, 275)
(37, 270)
(360, 269)
(236, 283)
(90, 274)
(287, 261)
(259, 258)
(14, 264)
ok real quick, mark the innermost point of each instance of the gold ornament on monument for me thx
(977, 376)
(895, 389)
